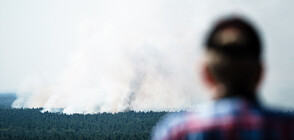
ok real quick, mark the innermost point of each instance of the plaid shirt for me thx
(231, 118)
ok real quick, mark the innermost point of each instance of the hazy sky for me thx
(38, 36)
(35, 36)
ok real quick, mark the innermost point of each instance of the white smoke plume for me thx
(133, 55)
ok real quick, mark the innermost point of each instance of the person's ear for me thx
(207, 77)
(216, 89)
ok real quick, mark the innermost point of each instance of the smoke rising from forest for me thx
(135, 55)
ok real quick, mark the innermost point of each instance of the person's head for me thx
(233, 59)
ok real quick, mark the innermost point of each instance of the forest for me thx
(32, 124)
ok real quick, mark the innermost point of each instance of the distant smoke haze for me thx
(144, 55)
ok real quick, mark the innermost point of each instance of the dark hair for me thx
(234, 56)
(248, 45)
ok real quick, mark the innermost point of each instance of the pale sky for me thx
(37, 36)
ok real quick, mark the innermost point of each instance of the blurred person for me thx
(232, 70)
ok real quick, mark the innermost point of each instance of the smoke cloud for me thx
(133, 55)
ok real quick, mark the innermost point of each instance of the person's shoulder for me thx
(208, 116)
(178, 124)
(168, 123)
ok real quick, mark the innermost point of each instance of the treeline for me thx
(6, 100)
(32, 124)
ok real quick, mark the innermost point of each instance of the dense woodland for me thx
(32, 124)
